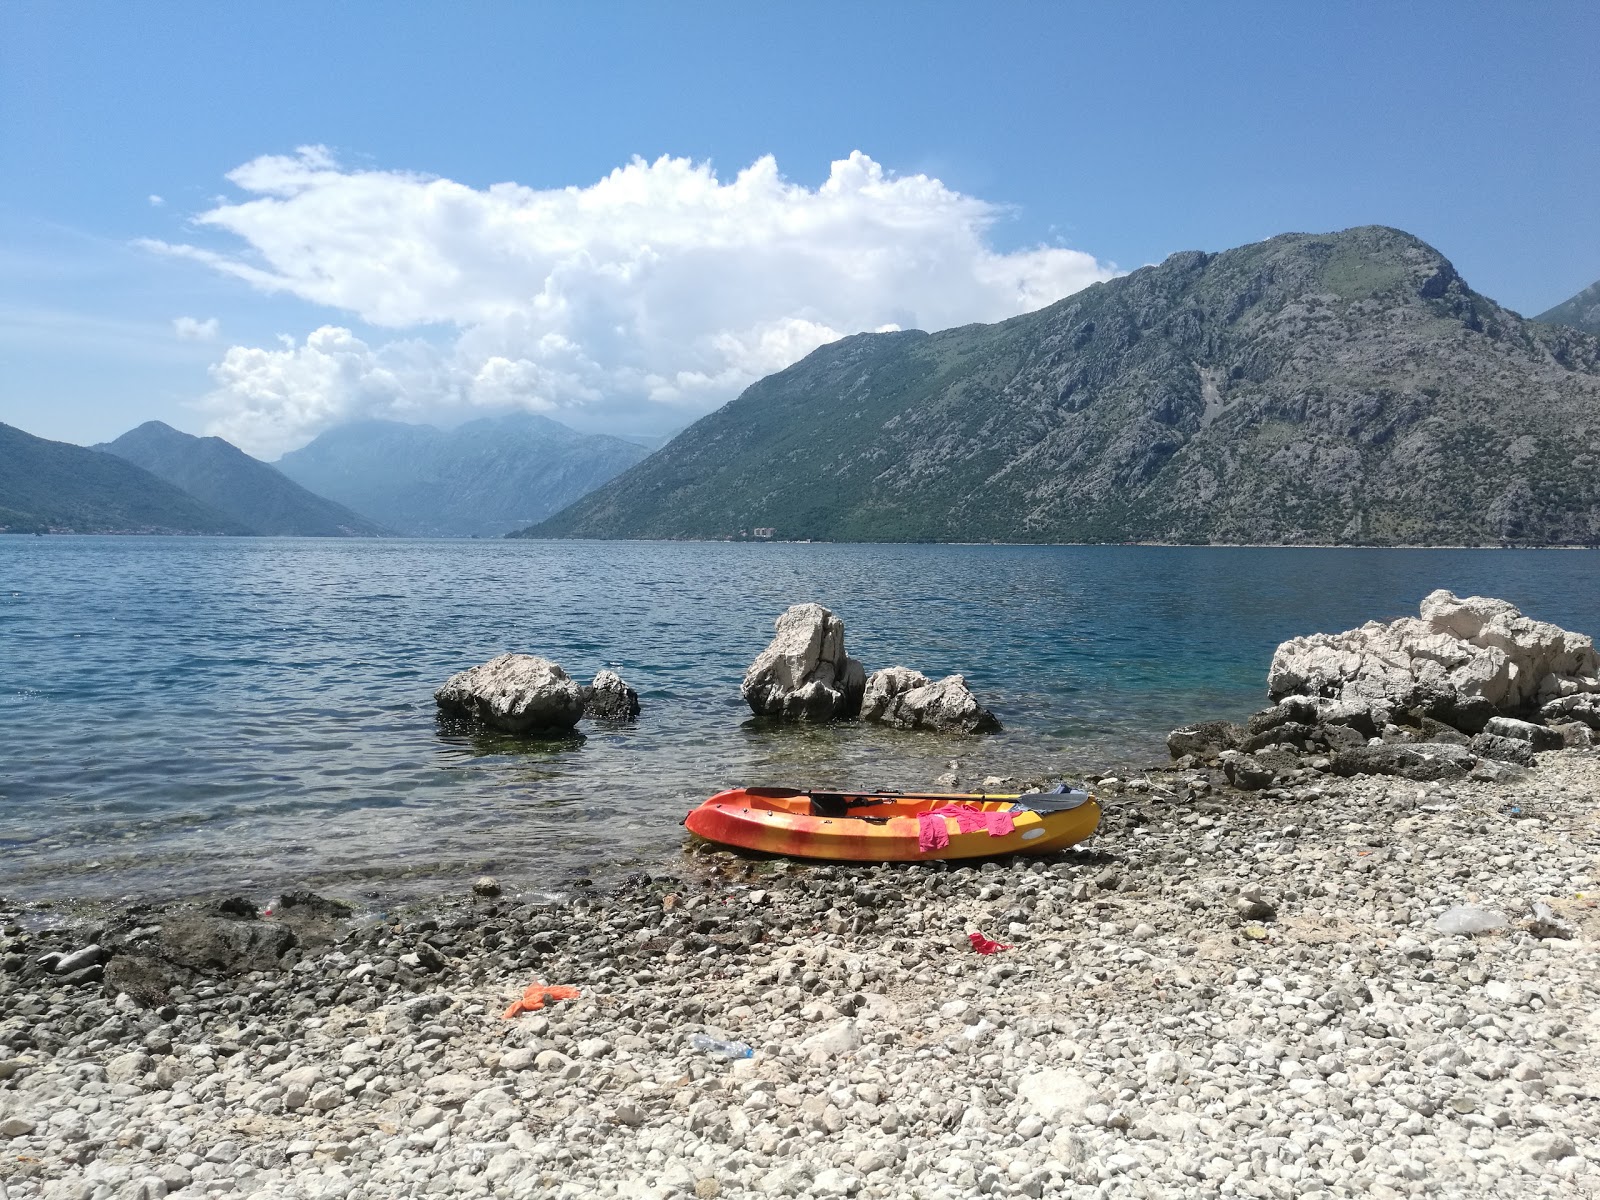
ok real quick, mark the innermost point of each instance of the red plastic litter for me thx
(984, 946)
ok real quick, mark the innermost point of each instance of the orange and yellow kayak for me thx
(892, 826)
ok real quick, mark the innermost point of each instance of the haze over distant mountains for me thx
(1332, 388)
(484, 478)
(56, 487)
(1580, 312)
(253, 494)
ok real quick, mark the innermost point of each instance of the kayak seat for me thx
(836, 804)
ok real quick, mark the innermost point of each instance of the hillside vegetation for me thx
(50, 486)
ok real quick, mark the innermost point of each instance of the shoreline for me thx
(1151, 1032)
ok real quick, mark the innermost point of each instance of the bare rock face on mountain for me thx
(519, 693)
(804, 673)
(1463, 661)
(906, 699)
(1313, 388)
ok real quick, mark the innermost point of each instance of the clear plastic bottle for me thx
(719, 1049)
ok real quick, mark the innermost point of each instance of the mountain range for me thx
(50, 486)
(245, 489)
(1580, 312)
(480, 479)
(1311, 388)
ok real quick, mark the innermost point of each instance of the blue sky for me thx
(382, 274)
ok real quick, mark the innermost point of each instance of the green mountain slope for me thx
(1580, 312)
(1345, 387)
(221, 475)
(479, 479)
(55, 487)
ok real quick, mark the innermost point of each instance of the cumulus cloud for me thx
(191, 329)
(646, 298)
(155, 200)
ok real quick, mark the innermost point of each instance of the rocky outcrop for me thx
(884, 685)
(804, 673)
(518, 693)
(1469, 687)
(1461, 661)
(610, 698)
(906, 699)
(1581, 708)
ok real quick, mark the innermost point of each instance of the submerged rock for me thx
(610, 698)
(519, 693)
(804, 673)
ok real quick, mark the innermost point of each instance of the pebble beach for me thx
(1222, 994)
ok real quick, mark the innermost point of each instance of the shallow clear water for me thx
(194, 714)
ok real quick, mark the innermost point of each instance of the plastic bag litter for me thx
(1469, 919)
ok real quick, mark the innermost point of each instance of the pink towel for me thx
(932, 833)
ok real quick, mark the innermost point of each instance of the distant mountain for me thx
(1345, 387)
(1580, 312)
(482, 479)
(223, 476)
(55, 487)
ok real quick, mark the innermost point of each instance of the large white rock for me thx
(804, 673)
(1474, 649)
(520, 693)
(905, 699)
(883, 686)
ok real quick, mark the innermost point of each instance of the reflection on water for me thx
(183, 714)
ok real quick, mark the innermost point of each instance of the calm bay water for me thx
(189, 714)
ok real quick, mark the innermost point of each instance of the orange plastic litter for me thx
(533, 999)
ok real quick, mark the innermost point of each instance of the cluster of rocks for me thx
(1471, 688)
(804, 674)
(1226, 994)
(523, 693)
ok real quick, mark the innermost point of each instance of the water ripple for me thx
(185, 714)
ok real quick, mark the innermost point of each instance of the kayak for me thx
(894, 826)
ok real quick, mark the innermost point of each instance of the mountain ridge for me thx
(56, 487)
(1578, 312)
(1312, 388)
(225, 478)
(480, 479)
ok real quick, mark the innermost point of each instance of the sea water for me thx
(183, 715)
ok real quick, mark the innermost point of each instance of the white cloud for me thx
(648, 297)
(190, 329)
(155, 200)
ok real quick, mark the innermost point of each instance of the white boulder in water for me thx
(907, 699)
(519, 693)
(610, 698)
(1459, 652)
(804, 673)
